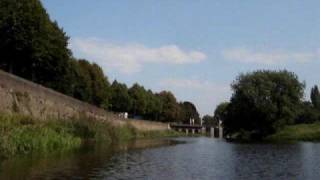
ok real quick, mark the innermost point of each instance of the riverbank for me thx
(300, 132)
(24, 134)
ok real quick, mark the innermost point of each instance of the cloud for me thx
(206, 95)
(131, 58)
(246, 55)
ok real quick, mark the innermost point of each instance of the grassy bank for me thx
(23, 134)
(301, 132)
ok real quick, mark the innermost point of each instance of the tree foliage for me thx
(263, 101)
(209, 121)
(220, 112)
(188, 111)
(170, 107)
(315, 97)
(307, 113)
(120, 100)
(139, 99)
(31, 45)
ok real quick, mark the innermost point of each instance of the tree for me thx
(170, 109)
(307, 114)
(32, 46)
(154, 106)
(262, 102)
(221, 112)
(189, 111)
(120, 99)
(139, 99)
(315, 97)
(89, 83)
(209, 121)
(100, 86)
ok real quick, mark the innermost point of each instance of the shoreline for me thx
(289, 134)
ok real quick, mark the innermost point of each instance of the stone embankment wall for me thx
(20, 96)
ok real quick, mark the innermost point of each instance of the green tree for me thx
(100, 86)
(170, 109)
(120, 99)
(32, 46)
(209, 121)
(93, 86)
(307, 114)
(189, 111)
(154, 106)
(220, 112)
(139, 99)
(315, 97)
(262, 102)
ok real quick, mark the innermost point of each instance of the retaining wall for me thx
(20, 96)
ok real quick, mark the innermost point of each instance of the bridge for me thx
(198, 129)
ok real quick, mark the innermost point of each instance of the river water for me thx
(181, 158)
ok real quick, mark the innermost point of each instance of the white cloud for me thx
(246, 55)
(130, 58)
(206, 95)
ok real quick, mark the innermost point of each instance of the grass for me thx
(301, 132)
(23, 134)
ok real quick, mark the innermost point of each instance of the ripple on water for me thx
(198, 158)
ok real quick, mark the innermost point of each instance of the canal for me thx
(181, 158)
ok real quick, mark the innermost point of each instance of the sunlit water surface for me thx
(182, 158)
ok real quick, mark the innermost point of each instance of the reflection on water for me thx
(198, 158)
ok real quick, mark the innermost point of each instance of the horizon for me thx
(194, 49)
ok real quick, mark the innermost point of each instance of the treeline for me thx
(264, 102)
(36, 48)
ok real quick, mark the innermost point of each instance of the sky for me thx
(195, 49)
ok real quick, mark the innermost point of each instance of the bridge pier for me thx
(187, 128)
(203, 130)
(212, 131)
(220, 132)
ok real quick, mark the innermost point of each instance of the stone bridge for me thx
(198, 129)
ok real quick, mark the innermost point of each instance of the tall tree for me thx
(120, 99)
(154, 106)
(315, 97)
(189, 111)
(100, 86)
(93, 85)
(31, 45)
(209, 121)
(263, 101)
(220, 112)
(170, 109)
(139, 99)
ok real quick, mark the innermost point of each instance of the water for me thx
(182, 158)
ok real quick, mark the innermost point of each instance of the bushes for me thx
(301, 132)
(23, 134)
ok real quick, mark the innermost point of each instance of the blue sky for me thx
(193, 48)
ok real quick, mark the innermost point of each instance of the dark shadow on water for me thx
(81, 163)
(181, 158)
